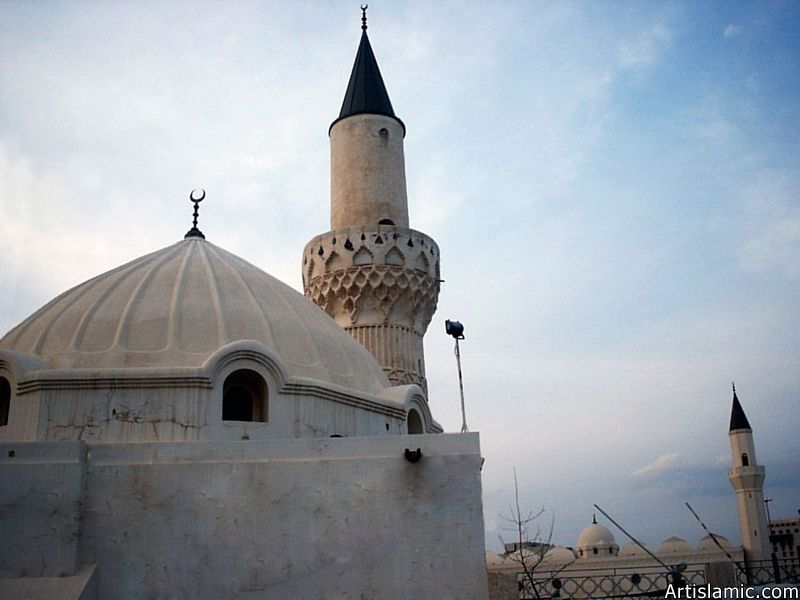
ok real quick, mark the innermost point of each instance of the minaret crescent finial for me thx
(364, 8)
(194, 231)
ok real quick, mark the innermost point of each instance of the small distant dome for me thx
(495, 560)
(596, 541)
(707, 544)
(559, 554)
(633, 550)
(674, 545)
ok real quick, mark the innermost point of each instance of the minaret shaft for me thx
(747, 478)
(368, 175)
(374, 275)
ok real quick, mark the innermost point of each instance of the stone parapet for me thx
(345, 517)
(747, 478)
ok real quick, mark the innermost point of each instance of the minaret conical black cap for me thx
(366, 92)
(738, 418)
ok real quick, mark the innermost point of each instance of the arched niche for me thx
(414, 423)
(245, 397)
(5, 400)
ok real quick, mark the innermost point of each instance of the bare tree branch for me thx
(531, 544)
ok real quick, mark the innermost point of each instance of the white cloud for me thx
(732, 29)
(665, 462)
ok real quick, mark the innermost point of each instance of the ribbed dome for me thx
(559, 554)
(707, 543)
(176, 306)
(673, 545)
(632, 549)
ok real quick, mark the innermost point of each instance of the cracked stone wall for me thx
(40, 493)
(349, 518)
(140, 413)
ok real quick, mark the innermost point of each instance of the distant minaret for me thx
(376, 277)
(747, 478)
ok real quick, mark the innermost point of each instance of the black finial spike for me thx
(594, 518)
(194, 231)
(364, 8)
(733, 385)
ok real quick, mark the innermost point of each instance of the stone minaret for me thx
(747, 478)
(374, 275)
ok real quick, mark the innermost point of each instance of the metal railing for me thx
(777, 570)
(646, 581)
(625, 582)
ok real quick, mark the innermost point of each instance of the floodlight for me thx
(455, 329)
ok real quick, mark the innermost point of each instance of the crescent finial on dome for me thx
(194, 231)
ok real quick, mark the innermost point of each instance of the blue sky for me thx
(615, 188)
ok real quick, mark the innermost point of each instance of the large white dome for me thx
(177, 306)
(596, 541)
(595, 535)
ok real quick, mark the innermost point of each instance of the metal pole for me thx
(464, 428)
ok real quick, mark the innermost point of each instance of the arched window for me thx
(385, 222)
(745, 460)
(244, 397)
(5, 400)
(414, 422)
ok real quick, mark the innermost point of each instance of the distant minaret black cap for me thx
(738, 418)
(366, 92)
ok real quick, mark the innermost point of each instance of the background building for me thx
(597, 566)
(785, 538)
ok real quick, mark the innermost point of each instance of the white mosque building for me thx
(187, 426)
(598, 566)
